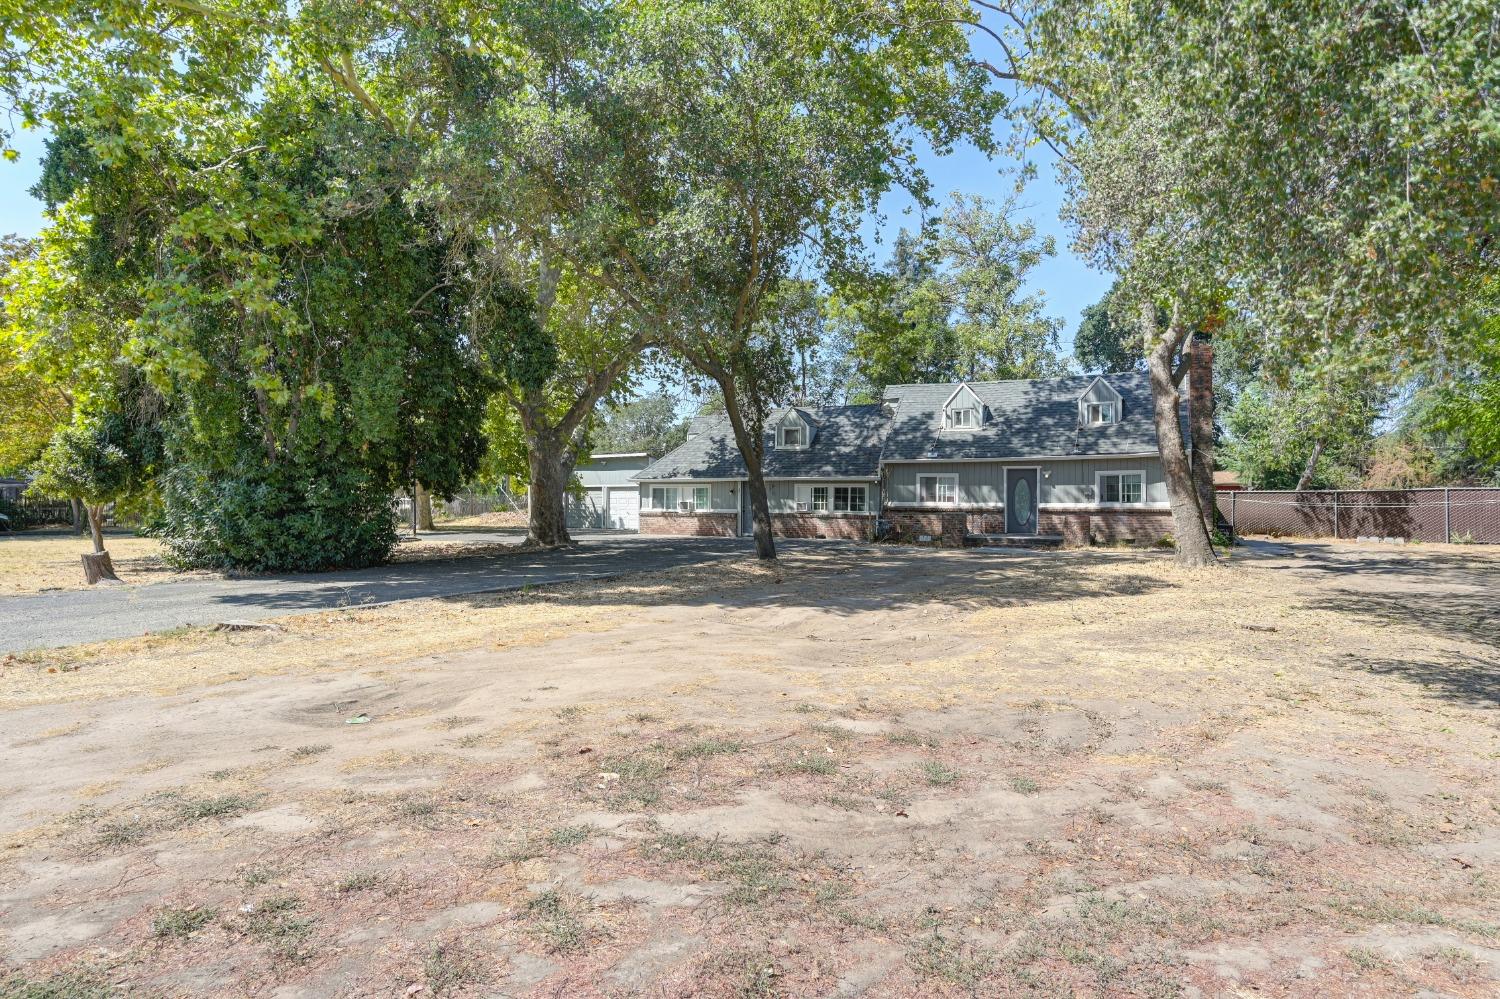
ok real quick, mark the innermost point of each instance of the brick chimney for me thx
(1201, 420)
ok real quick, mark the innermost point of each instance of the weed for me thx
(833, 733)
(804, 708)
(643, 717)
(181, 923)
(557, 923)
(910, 739)
(416, 808)
(704, 748)
(568, 711)
(357, 881)
(195, 809)
(817, 764)
(1024, 785)
(939, 775)
(452, 722)
(1364, 958)
(272, 923)
(637, 781)
(254, 877)
(67, 985)
(113, 835)
(448, 968)
(568, 836)
(947, 956)
(306, 752)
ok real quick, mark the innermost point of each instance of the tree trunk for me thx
(80, 519)
(1194, 548)
(97, 567)
(546, 520)
(1201, 425)
(751, 451)
(1311, 467)
(423, 499)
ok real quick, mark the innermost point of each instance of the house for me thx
(610, 498)
(1068, 458)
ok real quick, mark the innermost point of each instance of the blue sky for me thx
(1068, 283)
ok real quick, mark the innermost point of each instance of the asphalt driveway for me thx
(67, 618)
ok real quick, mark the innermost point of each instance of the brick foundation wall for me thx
(860, 527)
(945, 527)
(702, 525)
(1083, 527)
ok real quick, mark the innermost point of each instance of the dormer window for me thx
(793, 437)
(1097, 414)
(963, 410)
(963, 419)
(1100, 405)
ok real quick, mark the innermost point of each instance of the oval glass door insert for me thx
(1023, 502)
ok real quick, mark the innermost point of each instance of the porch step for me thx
(1014, 540)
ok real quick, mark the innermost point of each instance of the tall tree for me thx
(1337, 185)
(1107, 341)
(649, 424)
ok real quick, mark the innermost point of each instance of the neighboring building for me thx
(1228, 481)
(11, 489)
(1068, 458)
(610, 498)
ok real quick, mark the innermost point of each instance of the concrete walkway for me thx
(68, 617)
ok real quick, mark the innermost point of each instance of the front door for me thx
(1020, 501)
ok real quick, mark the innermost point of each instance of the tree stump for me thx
(97, 568)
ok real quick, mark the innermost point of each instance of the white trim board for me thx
(1019, 460)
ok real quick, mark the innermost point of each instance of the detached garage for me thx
(611, 499)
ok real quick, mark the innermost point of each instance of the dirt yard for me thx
(871, 772)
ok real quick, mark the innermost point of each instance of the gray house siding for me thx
(611, 471)
(982, 483)
(783, 496)
(725, 495)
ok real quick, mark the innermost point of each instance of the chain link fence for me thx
(1459, 514)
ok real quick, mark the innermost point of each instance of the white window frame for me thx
(815, 504)
(848, 506)
(676, 494)
(1091, 408)
(708, 497)
(1099, 478)
(970, 419)
(937, 490)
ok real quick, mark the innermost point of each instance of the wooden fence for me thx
(1464, 514)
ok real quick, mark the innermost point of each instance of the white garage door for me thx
(624, 510)
(588, 511)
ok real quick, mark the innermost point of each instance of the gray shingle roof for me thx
(846, 444)
(1023, 419)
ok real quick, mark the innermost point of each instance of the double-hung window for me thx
(1099, 413)
(1121, 487)
(937, 490)
(701, 500)
(820, 499)
(793, 437)
(663, 497)
(849, 499)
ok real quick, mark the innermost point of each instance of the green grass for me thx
(218, 806)
(448, 968)
(939, 775)
(65, 985)
(181, 923)
(704, 748)
(1024, 785)
(564, 837)
(557, 922)
(273, 922)
(817, 764)
(357, 881)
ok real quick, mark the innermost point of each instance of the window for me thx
(963, 419)
(663, 497)
(820, 498)
(849, 499)
(1121, 487)
(1099, 413)
(936, 490)
(701, 499)
(793, 437)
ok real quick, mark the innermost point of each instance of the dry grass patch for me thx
(31, 563)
